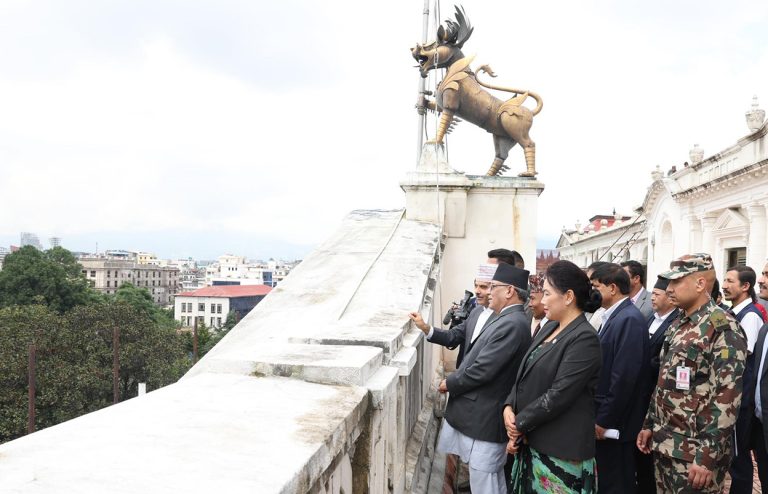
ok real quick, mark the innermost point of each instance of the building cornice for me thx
(722, 182)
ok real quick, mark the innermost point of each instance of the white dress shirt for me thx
(637, 295)
(751, 323)
(481, 320)
(658, 321)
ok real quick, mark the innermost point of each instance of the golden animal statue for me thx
(461, 94)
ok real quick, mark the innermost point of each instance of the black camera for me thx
(460, 310)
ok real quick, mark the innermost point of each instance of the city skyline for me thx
(266, 123)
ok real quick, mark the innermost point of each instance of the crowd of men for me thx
(681, 395)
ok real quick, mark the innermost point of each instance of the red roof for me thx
(229, 291)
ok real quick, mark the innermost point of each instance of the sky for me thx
(209, 127)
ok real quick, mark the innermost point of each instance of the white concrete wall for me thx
(478, 214)
(322, 387)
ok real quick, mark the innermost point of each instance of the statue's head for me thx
(444, 51)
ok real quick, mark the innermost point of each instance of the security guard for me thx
(693, 410)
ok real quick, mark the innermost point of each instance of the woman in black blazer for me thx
(550, 413)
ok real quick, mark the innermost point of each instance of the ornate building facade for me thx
(716, 205)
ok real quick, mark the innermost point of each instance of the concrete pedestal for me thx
(477, 214)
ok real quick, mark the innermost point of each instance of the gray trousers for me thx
(485, 459)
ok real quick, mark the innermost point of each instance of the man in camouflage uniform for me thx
(694, 407)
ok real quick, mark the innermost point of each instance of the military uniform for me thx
(694, 407)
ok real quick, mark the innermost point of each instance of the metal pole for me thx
(116, 365)
(194, 341)
(32, 385)
(422, 84)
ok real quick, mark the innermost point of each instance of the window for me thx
(115, 274)
(213, 308)
(218, 308)
(107, 284)
(93, 274)
(212, 322)
(183, 307)
(736, 256)
(109, 274)
(201, 307)
(200, 319)
(218, 321)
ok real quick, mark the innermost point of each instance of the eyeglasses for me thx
(494, 285)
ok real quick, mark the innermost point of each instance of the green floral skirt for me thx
(534, 472)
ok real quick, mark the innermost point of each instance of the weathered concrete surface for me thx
(213, 433)
(317, 390)
(323, 364)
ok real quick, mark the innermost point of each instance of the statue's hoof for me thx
(528, 174)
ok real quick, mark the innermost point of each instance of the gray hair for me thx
(523, 294)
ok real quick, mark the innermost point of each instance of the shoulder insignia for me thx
(719, 319)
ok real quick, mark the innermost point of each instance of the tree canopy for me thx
(52, 278)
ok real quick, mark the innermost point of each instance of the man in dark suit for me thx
(664, 314)
(759, 431)
(474, 427)
(621, 390)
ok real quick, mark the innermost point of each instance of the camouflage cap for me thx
(688, 264)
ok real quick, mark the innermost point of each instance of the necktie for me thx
(537, 329)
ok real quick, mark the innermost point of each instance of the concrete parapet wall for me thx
(324, 387)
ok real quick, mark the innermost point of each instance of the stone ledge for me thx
(211, 433)
(325, 364)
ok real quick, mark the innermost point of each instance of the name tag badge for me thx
(683, 379)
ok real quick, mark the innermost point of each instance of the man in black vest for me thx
(739, 289)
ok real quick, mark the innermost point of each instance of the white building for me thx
(715, 205)
(231, 269)
(210, 305)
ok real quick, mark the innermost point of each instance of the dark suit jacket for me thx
(761, 335)
(656, 342)
(625, 347)
(554, 393)
(478, 387)
(459, 335)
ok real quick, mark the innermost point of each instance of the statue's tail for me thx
(487, 69)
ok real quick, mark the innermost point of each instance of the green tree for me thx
(68, 371)
(74, 360)
(141, 300)
(52, 278)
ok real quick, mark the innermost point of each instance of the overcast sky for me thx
(195, 128)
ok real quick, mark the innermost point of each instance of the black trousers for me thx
(646, 478)
(615, 466)
(742, 470)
